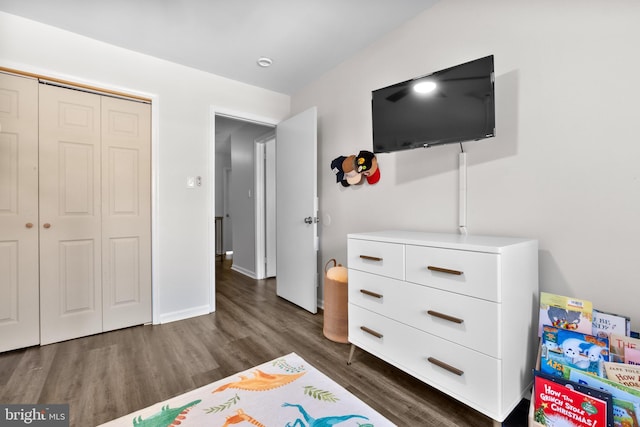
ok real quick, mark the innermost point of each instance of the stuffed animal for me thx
(351, 170)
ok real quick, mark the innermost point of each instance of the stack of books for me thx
(588, 371)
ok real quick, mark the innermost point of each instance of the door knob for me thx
(308, 220)
(47, 225)
(28, 225)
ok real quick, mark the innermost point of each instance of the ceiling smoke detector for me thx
(265, 62)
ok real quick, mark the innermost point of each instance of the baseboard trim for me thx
(184, 314)
(246, 272)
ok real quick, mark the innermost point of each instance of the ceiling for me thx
(304, 38)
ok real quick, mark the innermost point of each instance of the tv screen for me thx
(448, 106)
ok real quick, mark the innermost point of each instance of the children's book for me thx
(631, 356)
(564, 403)
(550, 352)
(624, 413)
(563, 349)
(624, 374)
(617, 345)
(565, 313)
(605, 323)
(546, 408)
(626, 400)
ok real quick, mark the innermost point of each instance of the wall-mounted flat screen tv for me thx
(453, 105)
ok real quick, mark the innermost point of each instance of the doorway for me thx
(239, 193)
(296, 202)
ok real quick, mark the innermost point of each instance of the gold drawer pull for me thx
(371, 294)
(371, 331)
(370, 258)
(445, 316)
(443, 365)
(445, 270)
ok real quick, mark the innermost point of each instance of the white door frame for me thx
(270, 208)
(260, 167)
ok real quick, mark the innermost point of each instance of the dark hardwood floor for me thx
(109, 375)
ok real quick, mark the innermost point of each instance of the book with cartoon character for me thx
(626, 400)
(565, 313)
(560, 402)
(563, 350)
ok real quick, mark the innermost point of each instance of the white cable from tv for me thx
(462, 193)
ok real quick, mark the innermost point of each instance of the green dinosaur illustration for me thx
(165, 417)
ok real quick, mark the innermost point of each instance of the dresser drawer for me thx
(375, 293)
(467, 375)
(467, 321)
(465, 272)
(385, 259)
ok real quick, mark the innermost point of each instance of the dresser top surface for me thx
(493, 244)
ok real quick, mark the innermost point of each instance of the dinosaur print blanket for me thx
(286, 392)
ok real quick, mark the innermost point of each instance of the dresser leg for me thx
(353, 348)
(497, 423)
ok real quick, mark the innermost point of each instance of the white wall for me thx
(563, 167)
(183, 137)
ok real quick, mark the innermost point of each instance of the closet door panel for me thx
(126, 213)
(19, 308)
(70, 214)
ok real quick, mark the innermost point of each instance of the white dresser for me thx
(457, 312)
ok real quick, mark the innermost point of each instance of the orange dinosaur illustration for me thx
(261, 381)
(240, 417)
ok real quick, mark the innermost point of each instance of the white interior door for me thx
(19, 294)
(70, 214)
(126, 213)
(296, 210)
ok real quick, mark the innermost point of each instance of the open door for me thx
(297, 210)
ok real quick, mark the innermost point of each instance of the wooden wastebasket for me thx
(335, 303)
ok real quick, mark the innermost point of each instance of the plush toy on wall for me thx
(351, 170)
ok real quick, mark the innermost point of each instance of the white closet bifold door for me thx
(70, 214)
(19, 307)
(126, 213)
(75, 213)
